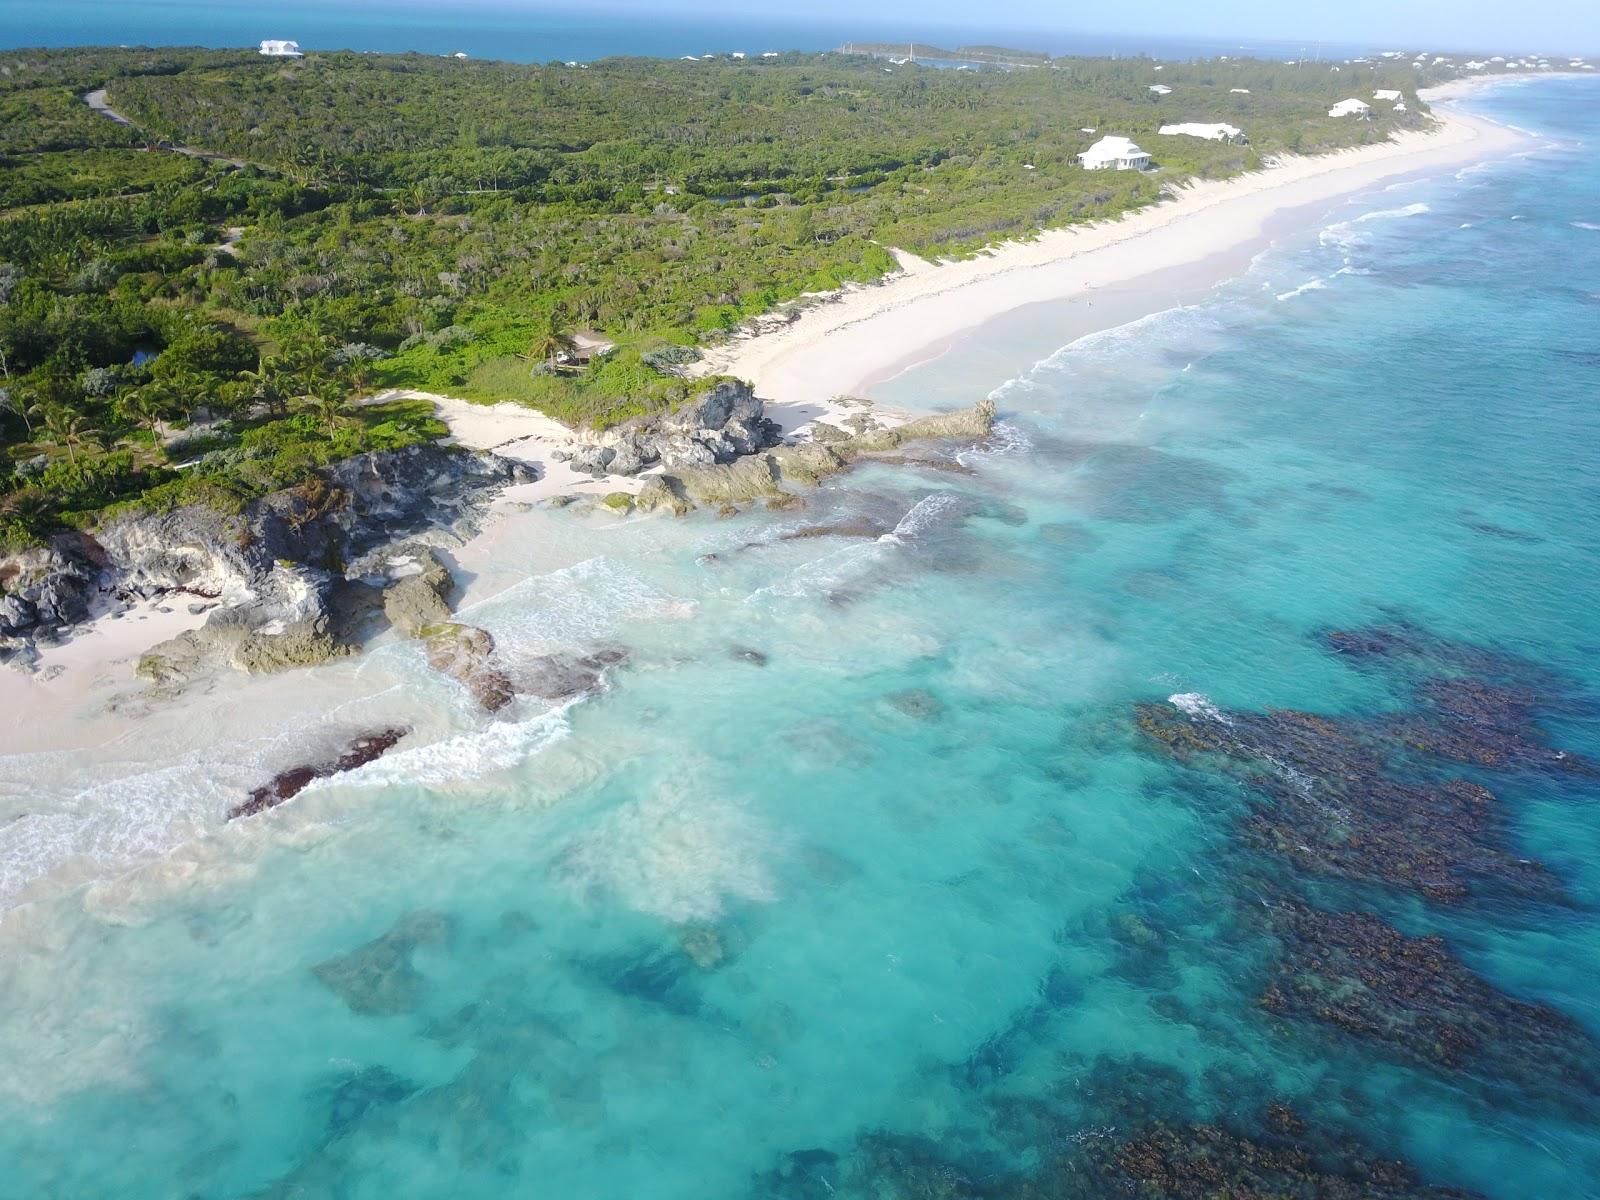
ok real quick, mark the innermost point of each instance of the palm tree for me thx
(327, 404)
(551, 341)
(69, 429)
(14, 404)
(149, 404)
(266, 384)
(358, 372)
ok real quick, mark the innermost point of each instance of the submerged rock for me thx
(1353, 971)
(916, 702)
(288, 784)
(856, 527)
(378, 979)
(368, 1090)
(1326, 796)
(703, 946)
(558, 677)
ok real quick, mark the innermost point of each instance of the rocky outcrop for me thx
(45, 589)
(466, 654)
(763, 476)
(974, 422)
(277, 571)
(719, 425)
(662, 494)
(415, 597)
(288, 784)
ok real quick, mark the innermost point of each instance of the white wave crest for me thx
(1134, 338)
(1005, 441)
(1585, 225)
(1316, 285)
(924, 514)
(837, 568)
(1346, 234)
(463, 757)
(1198, 705)
(1310, 285)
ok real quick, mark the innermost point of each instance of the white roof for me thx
(1348, 108)
(1240, 91)
(1214, 133)
(1161, 89)
(277, 49)
(1113, 147)
(1385, 94)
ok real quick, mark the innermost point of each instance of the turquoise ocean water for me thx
(912, 907)
(527, 31)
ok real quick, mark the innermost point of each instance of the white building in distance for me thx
(274, 49)
(1161, 89)
(1383, 94)
(1212, 133)
(1114, 152)
(1350, 108)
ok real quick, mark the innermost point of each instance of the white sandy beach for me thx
(862, 335)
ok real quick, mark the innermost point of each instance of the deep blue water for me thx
(542, 33)
(915, 909)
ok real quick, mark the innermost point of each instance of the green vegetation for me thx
(175, 328)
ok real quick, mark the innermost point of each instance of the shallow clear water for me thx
(918, 874)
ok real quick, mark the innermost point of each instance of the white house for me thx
(1350, 108)
(1240, 91)
(1118, 152)
(274, 49)
(1212, 133)
(1382, 94)
(1400, 106)
(1161, 89)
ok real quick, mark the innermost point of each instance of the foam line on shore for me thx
(864, 335)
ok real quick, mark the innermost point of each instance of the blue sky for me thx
(1555, 25)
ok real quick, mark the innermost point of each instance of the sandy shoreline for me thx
(864, 335)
